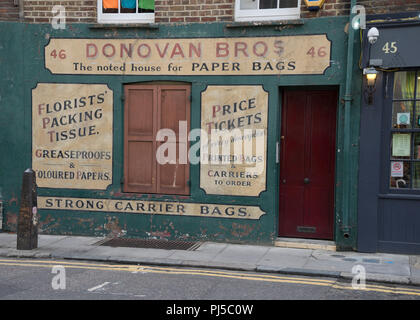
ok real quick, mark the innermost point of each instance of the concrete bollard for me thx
(27, 229)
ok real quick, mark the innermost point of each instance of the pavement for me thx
(379, 267)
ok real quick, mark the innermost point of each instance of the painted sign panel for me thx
(308, 54)
(233, 155)
(151, 207)
(72, 135)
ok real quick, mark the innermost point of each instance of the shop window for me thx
(265, 10)
(126, 11)
(405, 131)
(147, 110)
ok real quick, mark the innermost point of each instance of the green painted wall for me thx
(22, 67)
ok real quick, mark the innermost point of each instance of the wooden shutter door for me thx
(174, 106)
(149, 108)
(140, 118)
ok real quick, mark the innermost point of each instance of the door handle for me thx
(306, 181)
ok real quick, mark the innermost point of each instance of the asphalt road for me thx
(22, 279)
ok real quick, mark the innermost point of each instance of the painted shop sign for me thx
(72, 135)
(308, 54)
(151, 207)
(233, 157)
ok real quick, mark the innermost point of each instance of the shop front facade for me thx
(120, 123)
(389, 168)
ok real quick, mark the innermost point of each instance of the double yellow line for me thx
(208, 273)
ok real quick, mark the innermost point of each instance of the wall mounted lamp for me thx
(371, 75)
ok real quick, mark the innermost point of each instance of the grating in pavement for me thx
(152, 243)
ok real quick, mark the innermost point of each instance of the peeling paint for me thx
(241, 230)
(14, 201)
(113, 226)
(160, 234)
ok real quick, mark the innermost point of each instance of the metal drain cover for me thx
(152, 243)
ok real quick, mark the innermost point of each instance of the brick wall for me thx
(342, 7)
(8, 10)
(76, 10)
(185, 11)
(193, 10)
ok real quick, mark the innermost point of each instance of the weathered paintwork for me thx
(22, 68)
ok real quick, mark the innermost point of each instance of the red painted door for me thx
(307, 164)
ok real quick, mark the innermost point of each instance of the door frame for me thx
(280, 92)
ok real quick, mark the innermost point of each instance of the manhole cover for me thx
(152, 244)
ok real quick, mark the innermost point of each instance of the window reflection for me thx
(402, 114)
(405, 140)
(404, 84)
(128, 6)
(268, 4)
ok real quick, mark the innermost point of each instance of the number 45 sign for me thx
(390, 47)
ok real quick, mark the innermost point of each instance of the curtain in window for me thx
(131, 4)
(147, 4)
(405, 84)
(128, 4)
(110, 4)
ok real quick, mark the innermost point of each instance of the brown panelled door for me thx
(149, 108)
(307, 164)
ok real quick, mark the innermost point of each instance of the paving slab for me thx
(415, 269)
(8, 240)
(388, 278)
(241, 254)
(211, 247)
(130, 252)
(373, 263)
(73, 242)
(285, 257)
(204, 256)
(45, 240)
(205, 252)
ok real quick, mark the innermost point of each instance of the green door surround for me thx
(25, 44)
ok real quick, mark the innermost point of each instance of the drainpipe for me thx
(345, 227)
(21, 4)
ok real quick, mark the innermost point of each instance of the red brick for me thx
(192, 10)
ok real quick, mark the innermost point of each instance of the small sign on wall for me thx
(72, 135)
(403, 118)
(397, 169)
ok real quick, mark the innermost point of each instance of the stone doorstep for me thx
(305, 244)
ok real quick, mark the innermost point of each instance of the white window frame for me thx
(266, 14)
(122, 18)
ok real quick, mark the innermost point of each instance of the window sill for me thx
(280, 24)
(125, 26)
(401, 196)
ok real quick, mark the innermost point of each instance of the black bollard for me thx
(27, 229)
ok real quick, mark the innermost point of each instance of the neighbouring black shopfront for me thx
(389, 166)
